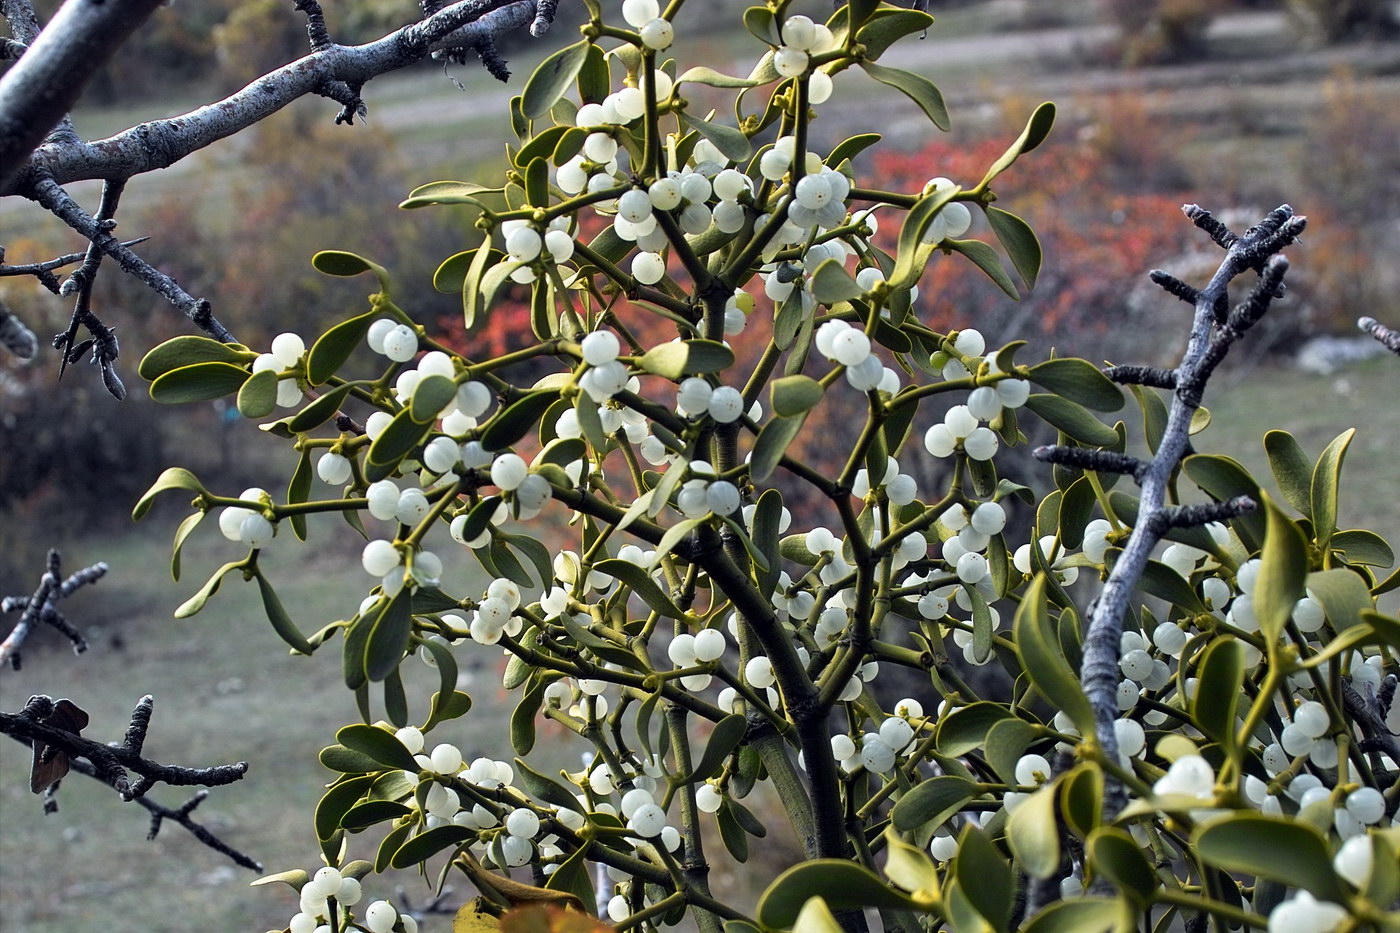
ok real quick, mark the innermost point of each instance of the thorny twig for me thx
(40, 608)
(1214, 328)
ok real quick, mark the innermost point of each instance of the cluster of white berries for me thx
(286, 351)
(850, 347)
(879, 751)
(330, 884)
(247, 526)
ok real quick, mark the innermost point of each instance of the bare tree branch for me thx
(112, 762)
(39, 90)
(40, 608)
(1213, 330)
(161, 143)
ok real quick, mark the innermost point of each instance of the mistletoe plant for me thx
(1211, 738)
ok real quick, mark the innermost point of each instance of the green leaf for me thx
(449, 706)
(986, 259)
(735, 840)
(911, 252)
(1006, 742)
(882, 31)
(1343, 594)
(186, 351)
(198, 382)
(932, 802)
(378, 744)
(642, 585)
(363, 816)
(594, 84)
(1080, 915)
(1042, 660)
(1079, 381)
(447, 192)
(1081, 798)
(1280, 848)
(340, 263)
(258, 396)
(910, 866)
(794, 395)
(1282, 572)
(1037, 128)
(1221, 680)
(1033, 834)
(333, 348)
(1117, 856)
(432, 394)
(541, 145)
(985, 877)
(916, 87)
(1073, 419)
(673, 536)
(479, 518)
(1325, 478)
(187, 525)
(1223, 479)
(281, 622)
(850, 148)
(1291, 470)
(552, 79)
(171, 478)
(966, 729)
(295, 878)
(816, 917)
(1020, 243)
(388, 638)
(543, 788)
(844, 885)
(678, 359)
(399, 438)
(337, 802)
(427, 844)
(1076, 509)
(772, 442)
(522, 720)
(514, 421)
(831, 283)
(701, 74)
(1363, 547)
(732, 143)
(574, 876)
(473, 295)
(725, 738)
(767, 516)
(319, 411)
(196, 602)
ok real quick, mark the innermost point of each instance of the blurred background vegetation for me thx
(1238, 105)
